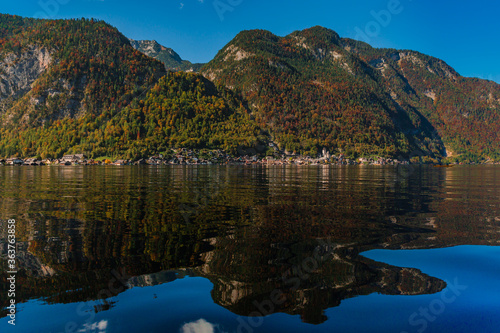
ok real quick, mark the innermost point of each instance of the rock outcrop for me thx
(19, 71)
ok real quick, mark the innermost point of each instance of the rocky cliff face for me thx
(18, 83)
(19, 71)
(153, 49)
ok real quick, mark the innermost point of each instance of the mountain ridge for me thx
(65, 85)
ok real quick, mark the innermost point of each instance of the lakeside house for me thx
(31, 161)
(74, 158)
(14, 161)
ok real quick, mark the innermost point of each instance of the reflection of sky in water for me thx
(186, 305)
(199, 326)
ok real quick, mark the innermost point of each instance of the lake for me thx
(212, 249)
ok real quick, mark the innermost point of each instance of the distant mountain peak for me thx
(166, 55)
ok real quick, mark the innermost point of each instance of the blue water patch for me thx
(163, 308)
(469, 303)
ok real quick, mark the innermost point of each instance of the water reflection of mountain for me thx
(251, 231)
(310, 280)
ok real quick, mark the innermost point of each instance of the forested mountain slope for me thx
(79, 86)
(313, 89)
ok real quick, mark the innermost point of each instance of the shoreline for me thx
(233, 161)
(184, 156)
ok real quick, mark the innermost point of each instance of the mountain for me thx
(313, 89)
(72, 86)
(60, 79)
(166, 55)
(59, 69)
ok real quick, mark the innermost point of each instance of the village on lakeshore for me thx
(184, 156)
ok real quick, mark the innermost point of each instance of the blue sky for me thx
(463, 33)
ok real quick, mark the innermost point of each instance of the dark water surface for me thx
(212, 249)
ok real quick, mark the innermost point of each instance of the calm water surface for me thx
(212, 249)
